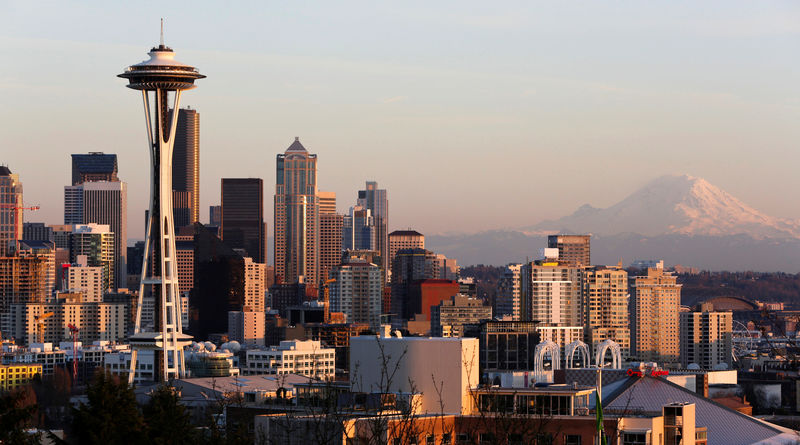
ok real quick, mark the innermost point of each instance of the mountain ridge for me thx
(673, 204)
(678, 218)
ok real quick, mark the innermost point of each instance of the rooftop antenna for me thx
(162, 31)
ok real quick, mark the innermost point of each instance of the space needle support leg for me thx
(148, 230)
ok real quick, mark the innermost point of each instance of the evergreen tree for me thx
(111, 417)
(168, 421)
(15, 416)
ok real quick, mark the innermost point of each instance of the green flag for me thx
(598, 408)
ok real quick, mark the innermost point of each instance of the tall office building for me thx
(404, 239)
(359, 231)
(10, 209)
(572, 249)
(409, 266)
(550, 293)
(242, 224)
(94, 166)
(219, 284)
(656, 300)
(37, 232)
(706, 337)
(96, 242)
(605, 307)
(296, 216)
(186, 168)
(357, 291)
(327, 203)
(214, 215)
(508, 297)
(330, 234)
(101, 202)
(184, 255)
(375, 200)
(107, 203)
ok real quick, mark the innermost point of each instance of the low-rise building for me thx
(308, 358)
(16, 375)
(36, 354)
(443, 369)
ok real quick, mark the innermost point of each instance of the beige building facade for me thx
(605, 307)
(656, 300)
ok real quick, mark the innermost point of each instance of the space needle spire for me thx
(159, 78)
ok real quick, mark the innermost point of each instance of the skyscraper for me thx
(375, 200)
(409, 266)
(102, 202)
(656, 300)
(37, 232)
(186, 168)
(359, 231)
(94, 166)
(404, 239)
(330, 233)
(243, 216)
(161, 75)
(214, 215)
(96, 242)
(10, 209)
(572, 249)
(327, 203)
(296, 216)
(508, 293)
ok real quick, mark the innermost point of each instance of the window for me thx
(430, 440)
(634, 438)
(572, 439)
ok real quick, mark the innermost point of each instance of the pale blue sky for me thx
(474, 115)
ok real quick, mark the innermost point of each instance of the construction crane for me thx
(17, 209)
(327, 300)
(74, 330)
(40, 324)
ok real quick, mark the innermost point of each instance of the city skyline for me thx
(590, 90)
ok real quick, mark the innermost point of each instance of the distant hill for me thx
(680, 219)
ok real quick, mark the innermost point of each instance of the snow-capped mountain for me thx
(680, 219)
(683, 205)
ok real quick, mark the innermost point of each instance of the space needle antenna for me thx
(162, 31)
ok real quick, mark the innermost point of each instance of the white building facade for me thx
(302, 357)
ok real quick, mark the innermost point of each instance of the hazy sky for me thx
(474, 115)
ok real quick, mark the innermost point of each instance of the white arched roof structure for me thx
(616, 354)
(585, 356)
(543, 348)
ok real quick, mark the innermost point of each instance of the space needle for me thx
(165, 78)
